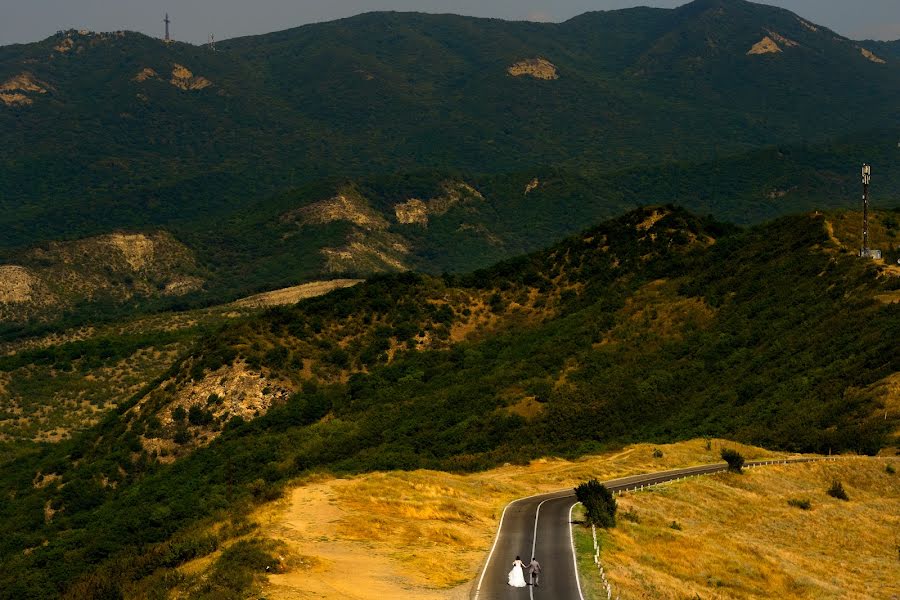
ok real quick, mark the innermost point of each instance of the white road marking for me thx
(613, 483)
(497, 538)
(574, 553)
(537, 515)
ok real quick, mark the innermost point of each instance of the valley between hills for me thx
(326, 300)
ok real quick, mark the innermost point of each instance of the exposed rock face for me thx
(416, 211)
(230, 391)
(116, 266)
(412, 211)
(137, 249)
(789, 43)
(24, 82)
(145, 74)
(532, 185)
(872, 56)
(808, 26)
(367, 254)
(15, 99)
(183, 79)
(539, 68)
(65, 45)
(765, 46)
(346, 206)
(17, 90)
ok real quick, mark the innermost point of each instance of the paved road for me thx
(539, 526)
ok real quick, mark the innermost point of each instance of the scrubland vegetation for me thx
(622, 333)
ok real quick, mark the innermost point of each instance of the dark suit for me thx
(534, 569)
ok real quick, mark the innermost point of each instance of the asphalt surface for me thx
(539, 526)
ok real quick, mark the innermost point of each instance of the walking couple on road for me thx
(517, 575)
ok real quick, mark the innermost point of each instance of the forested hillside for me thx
(727, 107)
(654, 326)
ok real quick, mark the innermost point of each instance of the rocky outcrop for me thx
(539, 68)
(869, 55)
(22, 89)
(145, 74)
(764, 46)
(348, 206)
(183, 79)
(416, 211)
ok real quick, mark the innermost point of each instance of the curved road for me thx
(539, 526)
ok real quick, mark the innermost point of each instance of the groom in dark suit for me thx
(534, 569)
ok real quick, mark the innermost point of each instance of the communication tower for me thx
(865, 251)
(167, 21)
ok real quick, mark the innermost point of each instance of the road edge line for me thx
(487, 562)
(574, 552)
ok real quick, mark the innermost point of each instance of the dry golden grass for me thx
(292, 295)
(740, 539)
(424, 534)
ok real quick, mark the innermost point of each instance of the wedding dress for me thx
(517, 576)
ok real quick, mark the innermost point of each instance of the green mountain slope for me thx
(654, 326)
(100, 132)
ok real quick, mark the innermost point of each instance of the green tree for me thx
(734, 459)
(599, 504)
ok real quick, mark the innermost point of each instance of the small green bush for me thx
(837, 491)
(889, 469)
(803, 504)
(599, 504)
(734, 459)
(630, 515)
(675, 525)
(657, 453)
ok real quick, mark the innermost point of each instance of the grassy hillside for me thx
(738, 536)
(398, 530)
(655, 326)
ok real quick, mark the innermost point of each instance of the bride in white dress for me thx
(517, 575)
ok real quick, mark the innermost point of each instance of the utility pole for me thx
(167, 21)
(866, 178)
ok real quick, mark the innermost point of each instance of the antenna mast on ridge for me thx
(865, 251)
(866, 177)
(167, 21)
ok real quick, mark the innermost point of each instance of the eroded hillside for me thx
(110, 268)
(656, 325)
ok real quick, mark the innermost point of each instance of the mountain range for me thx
(464, 140)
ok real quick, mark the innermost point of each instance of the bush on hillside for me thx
(599, 504)
(837, 491)
(734, 459)
(803, 504)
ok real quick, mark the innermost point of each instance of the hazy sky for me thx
(193, 20)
